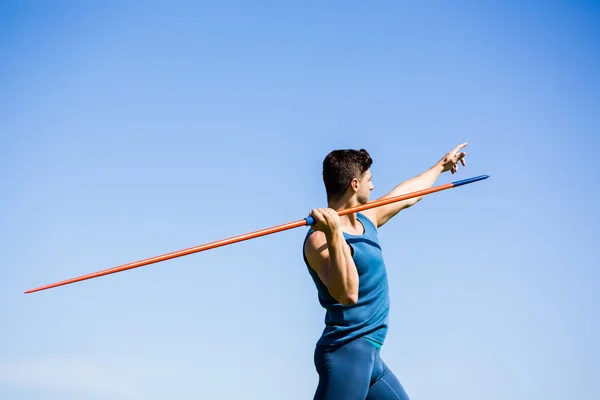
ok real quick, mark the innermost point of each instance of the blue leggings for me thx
(355, 371)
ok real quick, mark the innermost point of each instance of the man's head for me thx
(348, 170)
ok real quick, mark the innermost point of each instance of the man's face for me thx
(364, 188)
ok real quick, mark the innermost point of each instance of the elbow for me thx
(348, 299)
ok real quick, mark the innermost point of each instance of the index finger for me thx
(329, 212)
(316, 214)
(460, 146)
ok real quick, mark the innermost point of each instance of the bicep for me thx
(318, 256)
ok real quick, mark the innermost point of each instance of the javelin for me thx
(296, 224)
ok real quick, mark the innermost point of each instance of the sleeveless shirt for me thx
(367, 318)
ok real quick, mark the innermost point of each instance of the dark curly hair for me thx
(340, 167)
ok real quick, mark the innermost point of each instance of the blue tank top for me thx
(367, 318)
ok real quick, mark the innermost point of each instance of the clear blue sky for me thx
(134, 130)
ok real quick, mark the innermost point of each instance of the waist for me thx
(343, 324)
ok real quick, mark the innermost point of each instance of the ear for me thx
(354, 184)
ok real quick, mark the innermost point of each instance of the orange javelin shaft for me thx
(255, 234)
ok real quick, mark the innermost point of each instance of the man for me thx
(345, 260)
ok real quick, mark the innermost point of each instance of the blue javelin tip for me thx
(470, 180)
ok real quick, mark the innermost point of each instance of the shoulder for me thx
(315, 242)
(316, 251)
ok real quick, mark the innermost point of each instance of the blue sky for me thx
(129, 131)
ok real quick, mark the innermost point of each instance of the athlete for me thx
(344, 258)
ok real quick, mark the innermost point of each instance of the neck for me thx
(350, 220)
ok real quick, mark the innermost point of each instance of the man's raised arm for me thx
(422, 181)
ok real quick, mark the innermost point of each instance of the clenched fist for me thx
(326, 220)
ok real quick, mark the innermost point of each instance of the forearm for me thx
(420, 182)
(342, 276)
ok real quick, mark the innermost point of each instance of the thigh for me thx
(387, 387)
(345, 373)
